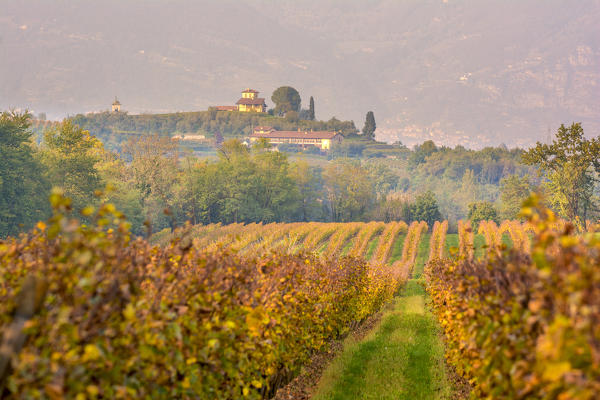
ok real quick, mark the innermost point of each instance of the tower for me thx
(116, 106)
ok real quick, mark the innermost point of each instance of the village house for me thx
(321, 139)
(249, 102)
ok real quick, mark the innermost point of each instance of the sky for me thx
(472, 73)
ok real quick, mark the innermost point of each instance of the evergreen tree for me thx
(23, 190)
(286, 98)
(311, 109)
(370, 126)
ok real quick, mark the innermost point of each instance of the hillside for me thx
(475, 73)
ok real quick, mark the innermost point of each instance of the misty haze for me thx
(457, 72)
(300, 200)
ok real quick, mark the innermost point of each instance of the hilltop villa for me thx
(249, 102)
(321, 139)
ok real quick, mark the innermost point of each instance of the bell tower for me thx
(116, 106)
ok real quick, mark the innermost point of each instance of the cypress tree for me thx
(311, 109)
(370, 126)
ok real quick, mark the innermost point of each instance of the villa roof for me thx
(249, 91)
(226, 108)
(116, 103)
(296, 135)
(251, 102)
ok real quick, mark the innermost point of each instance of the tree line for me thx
(158, 187)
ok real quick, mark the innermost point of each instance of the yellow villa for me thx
(250, 102)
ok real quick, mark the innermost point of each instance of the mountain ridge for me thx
(456, 72)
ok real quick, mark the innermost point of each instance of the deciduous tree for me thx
(570, 165)
(70, 155)
(425, 208)
(513, 191)
(482, 211)
(154, 172)
(350, 192)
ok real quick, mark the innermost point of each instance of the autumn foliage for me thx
(123, 319)
(524, 323)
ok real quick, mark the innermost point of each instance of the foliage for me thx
(364, 236)
(286, 99)
(466, 238)
(513, 192)
(350, 192)
(392, 208)
(421, 152)
(425, 208)
(410, 247)
(309, 182)
(153, 171)
(311, 109)
(438, 240)
(482, 211)
(570, 164)
(384, 179)
(114, 129)
(387, 240)
(368, 129)
(123, 319)
(70, 155)
(492, 235)
(520, 326)
(23, 186)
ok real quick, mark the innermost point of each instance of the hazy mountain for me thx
(470, 72)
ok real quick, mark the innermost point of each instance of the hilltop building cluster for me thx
(250, 102)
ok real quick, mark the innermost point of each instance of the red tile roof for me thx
(249, 91)
(296, 135)
(252, 102)
(226, 108)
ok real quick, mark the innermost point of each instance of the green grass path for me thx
(402, 358)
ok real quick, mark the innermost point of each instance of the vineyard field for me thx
(214, 311)
(521, 316)
(235, 311)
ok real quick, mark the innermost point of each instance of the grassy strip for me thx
(371, 247)
(403, 358)
(397, 250)
(451, 242)
(422, 255)
(479, 242)
(346, 248)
